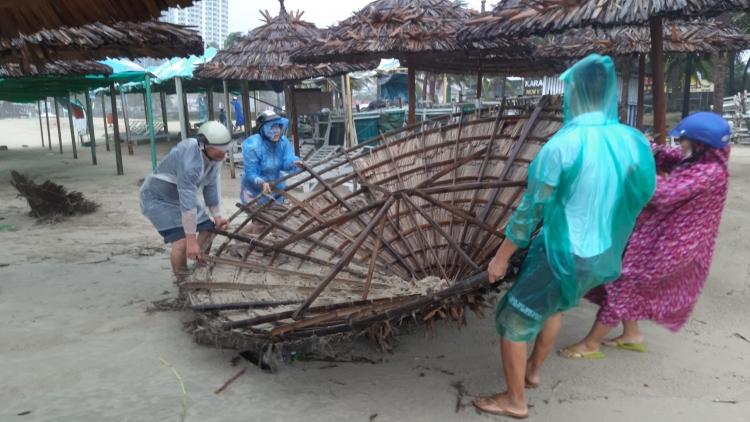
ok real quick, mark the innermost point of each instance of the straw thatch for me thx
(50, 200)
(698, 36)
(425, 29)
(26, 17)
(98, 41)
(541, 17)
(263, 55)
(411, 242)
(72, 68)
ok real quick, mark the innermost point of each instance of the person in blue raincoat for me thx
(239, 117)
(265, 155)
(588, 184)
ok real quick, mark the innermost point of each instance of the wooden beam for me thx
(657, 87)
(641, 93)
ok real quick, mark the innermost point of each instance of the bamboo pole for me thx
(49, 135)
(657, 87)
(229, 127)
(412, 77)
(163, 100)
(59, 130)
(41, 125)
(181, 107)
(90, 121)
(445, 89)
(373, 259)
(72, 128)
(641, 93)
(150, 116)
(104, 118)
(116, 130)
(349, 116)
(123, 99)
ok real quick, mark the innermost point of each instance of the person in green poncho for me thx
(588, 184)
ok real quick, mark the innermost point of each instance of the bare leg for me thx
(590, 344)
(203, 237)
(545, 340)
(514, 366)
(631, 334)
(178, 257)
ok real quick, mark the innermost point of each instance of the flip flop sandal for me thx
(501, 412)
(642, 348)
(596, 355)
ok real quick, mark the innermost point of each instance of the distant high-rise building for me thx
(211, 17)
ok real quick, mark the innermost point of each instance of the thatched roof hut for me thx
(541, 17)
(697, 36)
(264, 53)
(69, 68)
(99, 41)
(27, 17)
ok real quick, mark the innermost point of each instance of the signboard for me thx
(533, 86)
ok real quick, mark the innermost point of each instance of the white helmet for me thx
(215, 134)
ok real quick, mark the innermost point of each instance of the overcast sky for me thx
(244, 15)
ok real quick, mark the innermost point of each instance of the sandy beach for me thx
(76, 342)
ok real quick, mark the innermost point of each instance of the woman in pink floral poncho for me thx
(669, 253)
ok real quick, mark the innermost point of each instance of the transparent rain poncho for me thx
(169, 195)
(264, 160)
(587, 184)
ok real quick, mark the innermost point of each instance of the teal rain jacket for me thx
(588, 184)
(264, 160)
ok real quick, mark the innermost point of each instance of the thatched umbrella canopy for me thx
(541, 17)
(406, 29)
(71, 68)
(679, 37)
(26, 17)
(99, 41)
(264, 53)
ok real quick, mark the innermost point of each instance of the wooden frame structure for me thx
(428, 210)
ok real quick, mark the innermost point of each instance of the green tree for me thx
(213, 44)
(229, 41)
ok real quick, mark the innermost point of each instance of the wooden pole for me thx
(123, 100)
(657, 88)
(210, 101)
(181, 107)
(104, 118)
(41, 126)
(72, 128)
(479, 84)
(350, 118)
(229, 127)
(145, 108)
(188, 130)
(445, 90)
(641, 93)
(90, 122)
(293, 115)
(57, 118)
(255, 101)
(49, 135)
(686, 95)
(412, 76)
(116, 130)
(246, 107)
(150, 115)
(163, 100)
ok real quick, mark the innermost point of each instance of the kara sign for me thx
(532, 86)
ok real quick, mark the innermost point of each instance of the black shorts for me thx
(178, 233)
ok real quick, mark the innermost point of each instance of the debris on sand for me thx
(50, 200)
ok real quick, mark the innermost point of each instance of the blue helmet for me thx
(705, 127)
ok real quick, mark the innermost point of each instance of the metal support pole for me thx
(104, 118)
(49, 135)
(116, 130)
(72, 128)
(229, 127)
(150, 116)
(57, 119)
(657, 87)
(90, 122)
(127, 122)
(181, 107)
(41, 126)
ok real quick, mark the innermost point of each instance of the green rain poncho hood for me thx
(587, 184)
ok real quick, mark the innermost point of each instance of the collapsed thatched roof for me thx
(402, 28)
(540, 17)
(264, 54)
(71, 68)
(26, 17)
(99, 41)
(698, 36)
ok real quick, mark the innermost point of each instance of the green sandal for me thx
(642, 348)
(596, 355)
